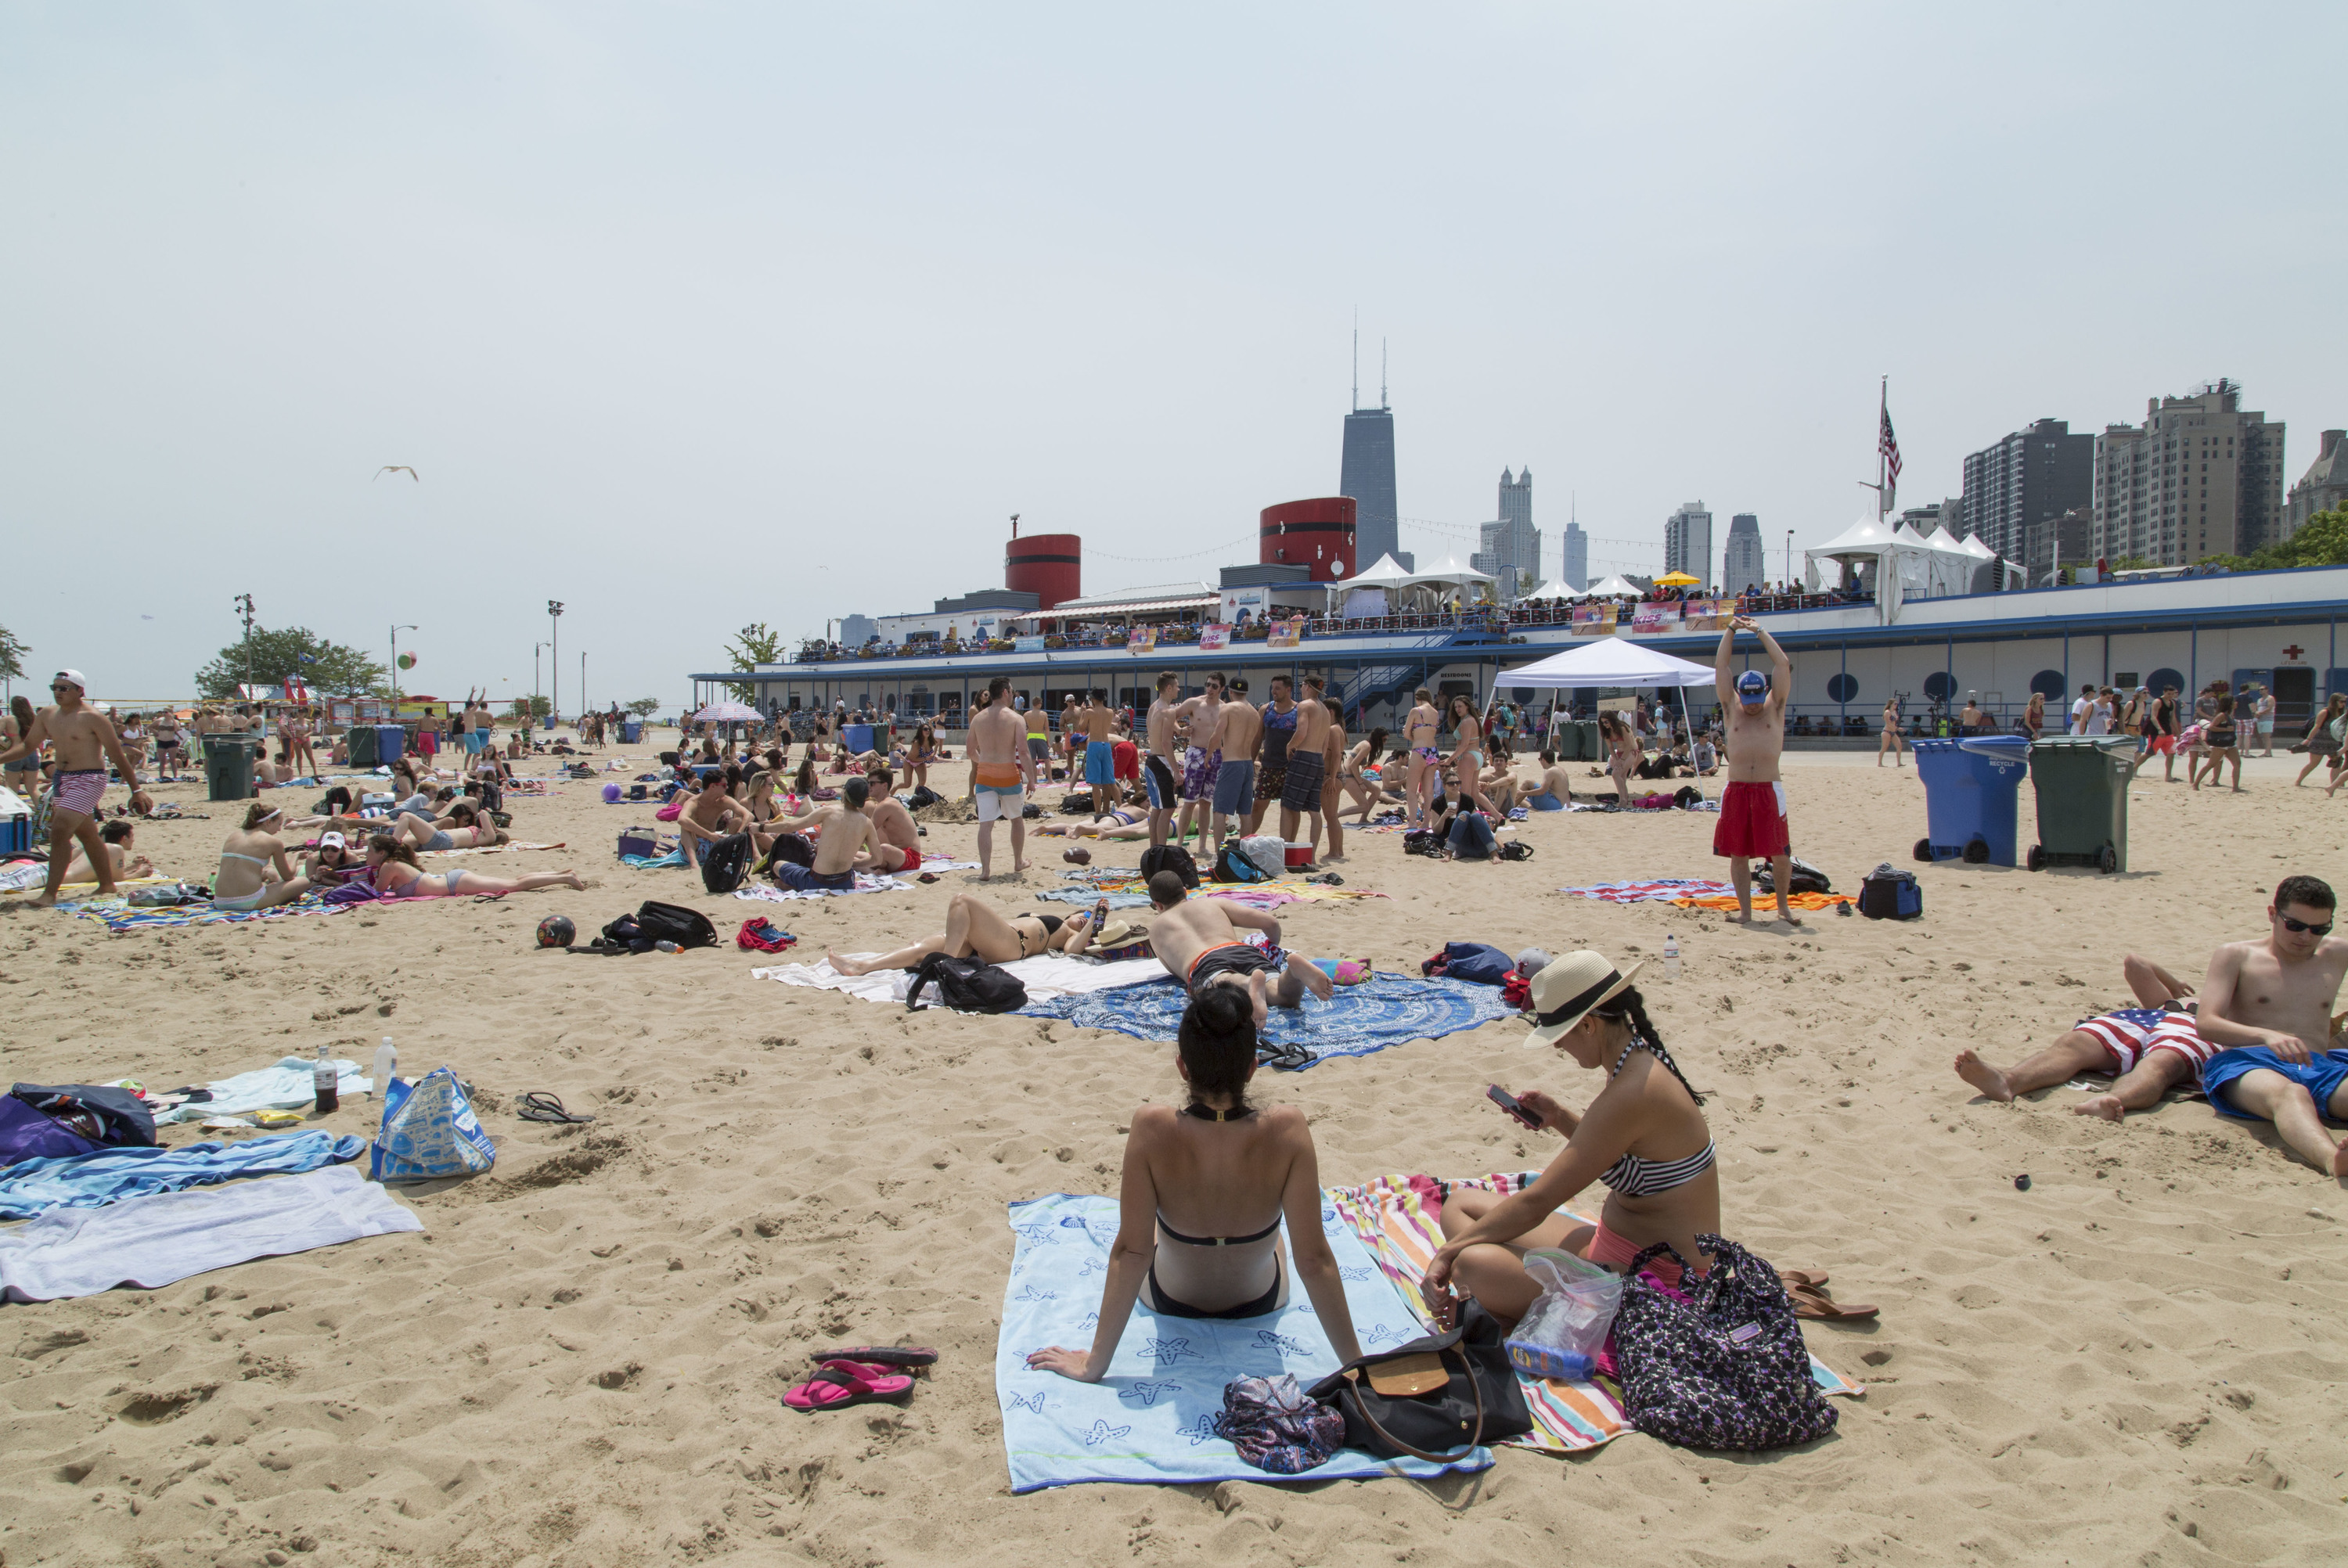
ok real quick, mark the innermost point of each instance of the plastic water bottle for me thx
(1671, 956)
(387, 1067)
(323, 1078)
(667, 946)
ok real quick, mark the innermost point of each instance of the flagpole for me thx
(1882, 418)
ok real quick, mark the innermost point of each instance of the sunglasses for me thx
(2291, 925)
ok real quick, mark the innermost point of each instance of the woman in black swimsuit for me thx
(1205, 1191)
(2222, 741)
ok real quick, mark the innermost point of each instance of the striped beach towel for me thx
(1398, 1221)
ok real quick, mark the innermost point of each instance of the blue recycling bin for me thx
(856, 737)
(1972, 791)
(632, 731)
(390, 741)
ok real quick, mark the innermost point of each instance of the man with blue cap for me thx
(1753, 806)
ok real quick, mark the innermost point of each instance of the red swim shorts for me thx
(2163, 746)
(912, 858)
(1126, 759)
(1752, 821)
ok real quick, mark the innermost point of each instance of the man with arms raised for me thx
(1753, 807)
(1279, 717)
(1199, 942)
(1158, 774)
(85, 741)
(2267, 1004)
(998, 768)
(1300, 797)
(1243, 732)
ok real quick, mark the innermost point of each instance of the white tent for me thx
(1450, 572)
(1614, 587)
(1555, 588)
(1611, 662)
(1386, 573)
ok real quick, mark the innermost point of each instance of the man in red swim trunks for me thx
(1753, 807)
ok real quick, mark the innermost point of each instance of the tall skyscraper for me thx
(1512, 546)
(1687, 542)
(2018, 489)
(2200, 477)
(1577, 555)
(1367, 474)
(1745, 562)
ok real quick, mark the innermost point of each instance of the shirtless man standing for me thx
(711, 814)
(1202, 720)
(1100, 749)
(1279, 717)
(85, 742)
(998, 769)
(2266, 1006)
(1242, 733)
(1197, 942)
(1039, 747)
(1301, 794)
(1158, 773)
(1419, 731)
(1753, 807)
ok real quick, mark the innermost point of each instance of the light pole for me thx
(244, 608)
(554, 641)
(582, 683)
(395, 666)
(537, 686)
(1789, 561)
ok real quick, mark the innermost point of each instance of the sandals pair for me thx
(1809, 1292)
(859, 1375)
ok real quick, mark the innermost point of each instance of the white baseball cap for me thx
(79, 680)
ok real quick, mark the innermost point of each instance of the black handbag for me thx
(1442, 1393)
(1725, 1368)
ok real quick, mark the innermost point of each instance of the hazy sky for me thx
(692, 315)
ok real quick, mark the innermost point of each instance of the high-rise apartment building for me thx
(2324, 487)
(2017, 489)
(1576, 557)
(1745, 562)
(2200, 476)
(1687, 541)
(1512, 551)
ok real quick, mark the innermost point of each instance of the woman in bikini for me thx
(924, 752)
(463, 828)
(393, 869)
(297, 744)
(1124, 822)
(2324, 735)
(1643, 1138)
(253, 852)
(333, 862)
(1467, 754)
(2221, 739)
(1622, 752)
(978, 929)
(1420, 731)
(1354, 779)
(1205, 1193)
(1891, 742)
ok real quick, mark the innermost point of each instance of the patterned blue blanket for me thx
(1358, 1019)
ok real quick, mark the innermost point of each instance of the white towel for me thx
(1048, 975)
(156, 1240)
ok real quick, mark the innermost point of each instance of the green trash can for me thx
(2080, 783)
(362, 739)
(228, 766)
(1587, 747)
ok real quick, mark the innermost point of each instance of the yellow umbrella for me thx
(1676, 579)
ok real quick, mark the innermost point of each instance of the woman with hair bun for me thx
(1643, 1138)
(1206, 1189)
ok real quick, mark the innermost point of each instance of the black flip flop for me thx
(536, 1106)
(883, 1355)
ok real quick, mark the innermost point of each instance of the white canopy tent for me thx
(1387, 573)
(1451, 573)
(1555, 588)
(1614, 587)
(1611, 662)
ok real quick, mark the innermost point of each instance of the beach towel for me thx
(1804, 901)
(1383, 1011)
(119, 915)
(495, 849)
(1398, 1221)
(148, 1242)
(1152, 1418)
(1129, 891)
(654, 863)
(866, 882)
(30, 1187)
(1046, 974)
(290, 1085)
(1662, 890)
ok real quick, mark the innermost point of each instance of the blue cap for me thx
(1752, 686)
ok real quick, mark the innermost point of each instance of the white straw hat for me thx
(1565, 991)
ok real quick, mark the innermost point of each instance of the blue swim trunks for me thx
(1100, 765)
(1544, 801)
(2321, 1078)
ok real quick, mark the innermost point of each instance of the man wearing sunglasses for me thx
(2268, 1003)
(85, 740)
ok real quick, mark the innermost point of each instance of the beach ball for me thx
(610, 794)
(557, 931)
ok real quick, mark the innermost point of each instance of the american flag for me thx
(1888, 445)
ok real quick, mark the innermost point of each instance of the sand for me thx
(580, 1362)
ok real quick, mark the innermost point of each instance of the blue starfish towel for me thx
(1385, 1010)
(1152, 1418)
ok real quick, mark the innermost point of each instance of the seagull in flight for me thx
(396, 468)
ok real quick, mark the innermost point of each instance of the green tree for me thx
(644, 707)
(2321, 540)
(755, 645)
(324, 666)
(11, 656)
(534, 707)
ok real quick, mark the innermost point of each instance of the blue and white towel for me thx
(1152, 1418)
(288, 1086)
(1383, 1011)
(30, 1187)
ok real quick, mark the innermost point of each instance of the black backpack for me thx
(797, 849)
(1231, 865)
(1890, 895)
(659, 922)
(922, 795)
(1806, 878)
(725, 861)
(967, 984)
(1721, 1364)
(1171, 857)
(1076, 803)
(1423, 841)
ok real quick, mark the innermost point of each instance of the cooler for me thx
(2082, 787)
(1971, 793)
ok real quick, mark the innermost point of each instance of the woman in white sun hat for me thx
(1643, 1138)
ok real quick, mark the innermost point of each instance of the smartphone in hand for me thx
(1507, 1103)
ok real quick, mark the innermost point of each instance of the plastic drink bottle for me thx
(323, 1078)
(1671, 956)
(387, 1067)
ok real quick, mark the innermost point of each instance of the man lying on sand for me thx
(2122, 1042)
(1124, 822)
(977, 930)
(2267, 1004)
(1198, 940)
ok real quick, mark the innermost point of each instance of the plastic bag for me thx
(1566, 1328)
(428, 1131)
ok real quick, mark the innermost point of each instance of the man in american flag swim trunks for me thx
(2147, 1048)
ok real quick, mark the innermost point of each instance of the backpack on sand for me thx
(1171, 857)
(1890, 895)
(659, 922)
(1806, 878)
(1233, 865)
(1269, 851)
(1718, 1363)
(725, 862)
(967, 984)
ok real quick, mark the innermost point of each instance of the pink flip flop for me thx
(839, 1386)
